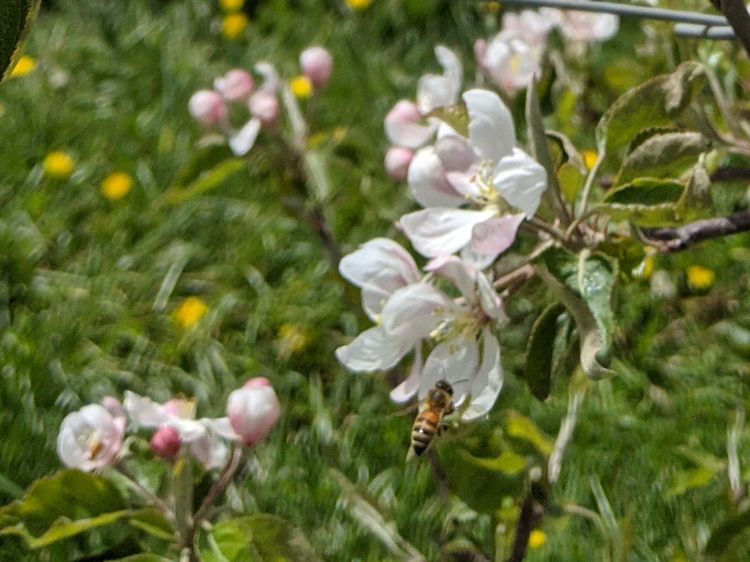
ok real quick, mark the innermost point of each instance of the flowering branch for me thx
(625, 10)
(680, 238)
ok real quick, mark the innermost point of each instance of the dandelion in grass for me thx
(26, 65)
(358, 5)
(291, 339)
(190, 312)
(699, 278)
(116, 186)
(234, 25)
(58, 165)
(537, 539)
(301, 86)
(589, 158)
(231, 5)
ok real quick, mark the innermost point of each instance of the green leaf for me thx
(584, 284)
(654, 104)
(143, 558)
(645, 202)
(15, 17)
(206, 181)
(479, 482)
(723, 535)
(519, 426)
(570, 179)
(67, 504)
(540, 151)
(685, 480)
(663, 156)
(258, 538)
(540, 351)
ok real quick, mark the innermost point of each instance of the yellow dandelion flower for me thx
(358, 5)
(24, 66)
(58, 165)
(291, 340)
(231, 5)
(301, 87)
(116, 185)
(489, 7)
(537, 539)
(589, 158)
(233, 25)
(699, 278)
(190, 312)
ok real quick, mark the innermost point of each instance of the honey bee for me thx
(438, 403)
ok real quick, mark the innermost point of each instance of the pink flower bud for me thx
(397, 161)
(265, 107)
(317, 65)
(207, 107)
(253, 410)
(235, 85)
(404, 126)
(165, 442)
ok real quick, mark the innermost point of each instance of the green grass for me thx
(82, 315)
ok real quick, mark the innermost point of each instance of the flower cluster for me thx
(211, 108)
(513, 56)
(92, 437)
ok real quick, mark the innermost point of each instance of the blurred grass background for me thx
(88, 287)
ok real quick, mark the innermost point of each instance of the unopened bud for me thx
(397, 161)
(404, 126)
(265, 107)
(235, 85)
(317, 65)
(253, 410)
(207, 107)
(165, 442)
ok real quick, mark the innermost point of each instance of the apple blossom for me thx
(91, 438)
(583, 26)
(434, 90)
(508, 62)
(265, 107)
(253, 410)
(466, 353)
(317, 65)
(264, 111)
(405, 126)
(208, 107)
(529, 26)
(502, 183)
(202, 437)
(235, 86)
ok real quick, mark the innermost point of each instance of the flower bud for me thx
(403, 126)
(235, 85)
(207, 107)
(265, 107)
(397, 161)
(253, 410)
(317, 65)
(165, 442)
(91, 438)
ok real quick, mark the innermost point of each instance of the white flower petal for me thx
(243, 140)
(463, 275)
(439, 231)
(454, 361)
(270, 77)
(408, 388)
(144, 412)
(488, 381)
(491, 129)
(493, 236)
(414, 311)
(427, 182)
(435, 91)
(521, 181)
(373, 350)
(489, 300)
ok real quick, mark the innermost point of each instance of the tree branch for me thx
(738, 18)
(531, 514)
(683, 237)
